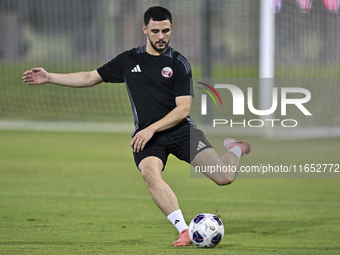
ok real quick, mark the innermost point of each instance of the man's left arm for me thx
(180, 112)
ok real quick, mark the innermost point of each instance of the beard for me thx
(158, 49)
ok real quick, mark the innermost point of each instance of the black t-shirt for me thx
(153, 82)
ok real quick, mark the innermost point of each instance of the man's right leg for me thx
(161, 193)
(164, 197)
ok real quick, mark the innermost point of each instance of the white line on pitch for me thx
(80, 195)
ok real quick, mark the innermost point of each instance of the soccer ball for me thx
(206, 230)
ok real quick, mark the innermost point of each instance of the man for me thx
(158, 80)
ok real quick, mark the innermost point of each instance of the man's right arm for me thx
(37, 76)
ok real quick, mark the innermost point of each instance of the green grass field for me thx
(80, 193)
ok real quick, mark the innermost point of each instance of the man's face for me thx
(158, 33)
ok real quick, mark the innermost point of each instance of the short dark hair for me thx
(157, 13)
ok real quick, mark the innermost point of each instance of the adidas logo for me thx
(136, 69)
(176, 221)
(200, 145)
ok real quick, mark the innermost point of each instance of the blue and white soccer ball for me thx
(206, 230)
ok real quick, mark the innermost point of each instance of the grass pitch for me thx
(80, 193)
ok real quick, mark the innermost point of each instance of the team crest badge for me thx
(167, 72)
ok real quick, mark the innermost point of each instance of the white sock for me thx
(177, 220)
(237, 151)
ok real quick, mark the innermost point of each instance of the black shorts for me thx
(184, 142)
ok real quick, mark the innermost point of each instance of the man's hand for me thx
(35, 76)
(141, 138)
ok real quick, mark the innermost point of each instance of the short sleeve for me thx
(183, 78)
(113, 71)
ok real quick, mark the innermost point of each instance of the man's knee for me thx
(151, 170)
(223, 181)
(148, 174)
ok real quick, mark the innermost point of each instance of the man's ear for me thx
(145, 29)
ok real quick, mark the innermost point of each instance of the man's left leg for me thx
(230, 161)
